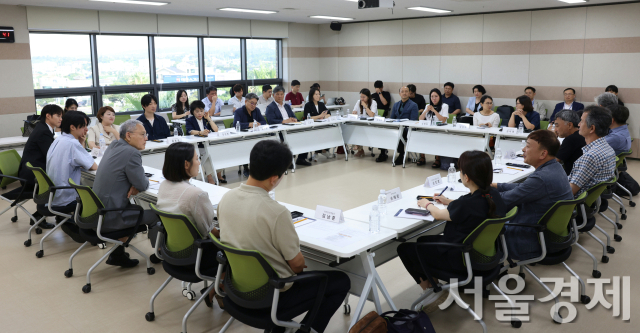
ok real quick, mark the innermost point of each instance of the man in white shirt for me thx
(537, 107)
(266, 97)
(237, 101)
(212, 99)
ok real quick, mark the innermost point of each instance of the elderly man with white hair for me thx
(121, 175)
(606, 99)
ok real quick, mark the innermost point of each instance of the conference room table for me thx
(329, 107)
(13, 142)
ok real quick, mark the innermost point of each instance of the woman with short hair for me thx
(524, 114)
(474, 105)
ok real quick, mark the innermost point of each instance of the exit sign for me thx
(7, 35)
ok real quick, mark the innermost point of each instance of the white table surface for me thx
(329, 107)
(13, 141)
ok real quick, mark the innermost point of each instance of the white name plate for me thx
(424, 123)
(379, 119)
(394, 195)
(433, 181)
(329, 214)
(461, 125)
(264, 127)
(174, 139)
(352, 117)
(226, 132)
(308, 122)
(509, 130)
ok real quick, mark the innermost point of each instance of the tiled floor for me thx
(36, 297)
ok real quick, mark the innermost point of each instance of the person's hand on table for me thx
(430, 108)
(442, 199)
(518, 113)
(424, 203)
(494, 185)
(205, 132)
(132, 191)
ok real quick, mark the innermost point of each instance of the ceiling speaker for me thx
(336, 26)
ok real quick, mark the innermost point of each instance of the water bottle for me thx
(175, 131)
(523, 144)
(454, 121)
(237, 127)
(308, 118)
(521, 128)
(433, 120)
(374, 220)
(451, 175)
(101, 142)
(553, 128)
(338, 114)
(272, 194)
(498, 157)
(255, 125)
(382, 206)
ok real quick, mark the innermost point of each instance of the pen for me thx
(446, 187)
(514, 169)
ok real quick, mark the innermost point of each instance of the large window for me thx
(117, 70)
(222, 59)
(262, 59)
(60, 61)
(123, 60)
(258, 89)
(176, 59)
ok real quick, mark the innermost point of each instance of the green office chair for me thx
(121, 118)
(621, 165)
(557, 232)
(175, 246)
(9, 166)
(89, 215)
(450, 119)
(544, 124)
(43, 194)
(300, 115)
(252, 288)
(380, 112)
(170, 116)
(228, 123)
(482, 256)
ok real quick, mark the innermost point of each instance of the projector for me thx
(363, 4)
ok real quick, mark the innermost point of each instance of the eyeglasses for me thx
(253, 103)
(568, 94)
(146, 136)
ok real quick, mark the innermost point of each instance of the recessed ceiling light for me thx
(573, 1)
(332, 18)
(432, 10)
(136, 2)
(254, 11)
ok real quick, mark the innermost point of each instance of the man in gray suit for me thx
(121, 175)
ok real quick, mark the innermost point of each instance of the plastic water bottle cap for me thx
(451, 164)
(383, 192)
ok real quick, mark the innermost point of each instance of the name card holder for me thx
(509, 130)
(379, 119)
(433, 181)
(352, 117)
(329, 214)
(424, 123)
(394, 195)
(174, 139)
(264, 127)
(309, 122)
(226, 132)
(461, 125)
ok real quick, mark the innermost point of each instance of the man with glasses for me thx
(568, 104)
(246, 116)
(119, 177)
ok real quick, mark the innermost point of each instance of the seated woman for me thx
(465, 214)
(365, 107)
(154, 124)
(110, 132)
(315, 109)
(435, 108)
(486, 116)
(177, 196)
(524, 113)
(181, 108)
(322, 96)
(474, 104)
(69, 105)
(202, 124)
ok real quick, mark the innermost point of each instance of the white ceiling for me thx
(300, 10)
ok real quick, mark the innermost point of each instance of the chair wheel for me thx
(585, 299)
(86, 288)
(619, 226)
(185, 291)
(617, 238)
(150, 316)
(632, 204)
(555, 320)
(39, 254)
(623, 217)
(27, 243)
(596, 274)
(151, 270)
(286, 172)
(611, 249)
(516, 323)
(154, 259)
(38, 231)
(521, 275)
(191, 295)
(347, 309)
(102, 245)
(68, 273)
(605, 259)
(14, 219)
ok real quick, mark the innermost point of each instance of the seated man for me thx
(294, 96)
(598, 159)
(268, 228)
(538, 107)
(35, 151)
(450, 99)
(619, 138)
(245, 115)
(614, 90)
(212, 103)
(65, 159)
(267, 95)
(568, 104)
(567, 128)
(153, 123)
(417, 98)
(542, 189)
(403, 109)
(120, 176)
(606, 99)
(279, 112)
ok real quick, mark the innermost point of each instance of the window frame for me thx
(97, 91)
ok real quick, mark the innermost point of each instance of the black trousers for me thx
(431, 258)
(303, 293)
(302, 157)
(400, 144)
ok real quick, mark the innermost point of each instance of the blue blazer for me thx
(159, 130)
(560, 106)
(192, 125)
(241, 116)
(410, 111)
(274, 116)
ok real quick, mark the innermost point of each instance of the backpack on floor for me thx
(371, 323)
(407, 321)
(445, 162)
(629, 183)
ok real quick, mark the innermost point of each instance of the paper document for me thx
(346, 237)
(456, 187)
(402, 214)
(302, 221)
(154, 182)
(509, 171)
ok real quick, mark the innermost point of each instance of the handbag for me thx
(371, 323)
(30, 125)
(407, 321)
